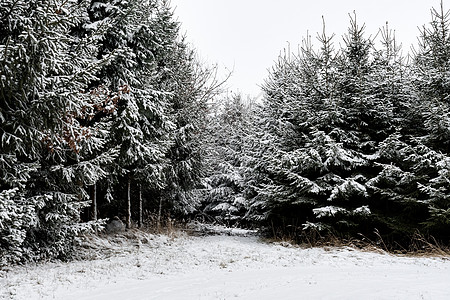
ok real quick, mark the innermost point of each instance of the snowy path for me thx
(227, 267)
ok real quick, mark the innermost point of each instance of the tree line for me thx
(106, 111)
(102, 103)
(350, 141)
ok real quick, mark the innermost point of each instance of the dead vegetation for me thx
(418, 246)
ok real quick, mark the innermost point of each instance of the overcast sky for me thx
(246, 36)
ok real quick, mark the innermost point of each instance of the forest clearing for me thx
(138, 265)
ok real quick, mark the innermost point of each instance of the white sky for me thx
(246, 36)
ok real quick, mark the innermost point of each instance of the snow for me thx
(363, 210)
(327, 211)
(227, 267)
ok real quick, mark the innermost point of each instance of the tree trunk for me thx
(159, 213)
(94, 202)
(129, 203)
(140, 207)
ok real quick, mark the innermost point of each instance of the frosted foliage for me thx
(392, 175)
(39, 62)
(332, 211)
(438, 187)
(302, 161)
(349, 186)
(328, 211)
(304, 184)
(47, 107)
(225, 142)
(317, 226)
(17, 216)
(225, 207)
(363, 210)
(341, 157)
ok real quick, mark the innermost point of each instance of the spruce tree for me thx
(297, 94)
(191, 86)
(140, 126)
(327, 112)
(45, 76)
(431, 144)
(227, 131)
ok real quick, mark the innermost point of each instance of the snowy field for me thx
(226, 267)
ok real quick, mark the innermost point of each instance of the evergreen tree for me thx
(297, 93)
(226, 137)
(431, 152)
(45, 73)
(141, 36)
(191, 86)
(156, 122)
(327, 113)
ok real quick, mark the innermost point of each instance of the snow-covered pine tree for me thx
(326, 112)
(373, 100)
(191, 86)
(284, 164)
(140, 124)
(361, 120)
(45, 76)
(393, 191)
(226, 133)
(431, 154)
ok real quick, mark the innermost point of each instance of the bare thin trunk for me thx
(140, 206)
(129, 202)
(94, 202)
(159, 213)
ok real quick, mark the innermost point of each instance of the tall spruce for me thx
(191, 86)
(139, 34)
(298, 92)
(45, 76)
(226, 135)
(431, 153)
(327, 112)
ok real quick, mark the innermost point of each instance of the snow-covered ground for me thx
(227, 267)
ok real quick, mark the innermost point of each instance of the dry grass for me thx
(422, 246)
(164, 225)
(102, 245)
(419, 246)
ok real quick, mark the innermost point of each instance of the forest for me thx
(106, 112)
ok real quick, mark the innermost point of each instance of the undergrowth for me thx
(418, 244)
